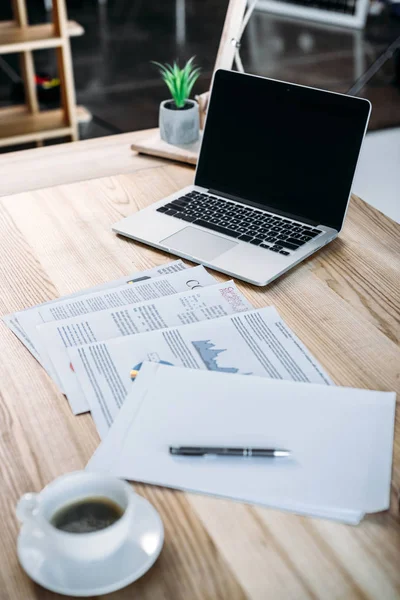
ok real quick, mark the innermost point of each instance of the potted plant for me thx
(179, 116)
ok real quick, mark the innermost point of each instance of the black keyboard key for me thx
(171, 212)
(285, 252)
(267, 246)
(217, 228)
(162, 209)
(241, 229)
(270, 238)
(274, 249)
(295, 241)
(185, 217)
(256, 241)
(176, 205)
(287, 244)
(245, 238)
(314, 233)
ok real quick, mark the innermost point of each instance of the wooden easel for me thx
(22, 124)
(149, 141)
(227, 47)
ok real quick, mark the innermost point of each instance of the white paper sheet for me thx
(178, 309)
(154, 287)
(108, 452)
(12, 321)
(341, 441)
(257, 342)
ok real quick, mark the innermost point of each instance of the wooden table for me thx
(343, 303)
(29, 170)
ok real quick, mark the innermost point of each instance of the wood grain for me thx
(67, 163)
(343, 303)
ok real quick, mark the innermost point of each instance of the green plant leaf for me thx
(179, 82)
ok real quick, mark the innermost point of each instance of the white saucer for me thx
(78, 578)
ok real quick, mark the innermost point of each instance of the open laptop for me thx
(273, 179)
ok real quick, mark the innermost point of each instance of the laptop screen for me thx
(283, 147)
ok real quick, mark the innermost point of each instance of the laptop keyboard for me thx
(241, 222)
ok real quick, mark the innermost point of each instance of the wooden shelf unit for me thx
(23, 124)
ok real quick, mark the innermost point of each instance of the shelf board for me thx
(19, 126)
(34, 37)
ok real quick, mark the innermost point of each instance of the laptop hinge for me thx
(265, 207)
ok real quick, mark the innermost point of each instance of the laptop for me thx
(272, 183)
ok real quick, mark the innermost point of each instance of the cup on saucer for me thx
(87, 534)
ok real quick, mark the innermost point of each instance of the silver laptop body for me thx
(271, 187)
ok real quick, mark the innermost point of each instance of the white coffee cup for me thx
(36, 511)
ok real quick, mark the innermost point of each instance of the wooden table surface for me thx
(27, 170)
(343, 303)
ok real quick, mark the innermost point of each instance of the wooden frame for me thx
(227, 47)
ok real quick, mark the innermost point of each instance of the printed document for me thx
(256, 342)
(178, 309)
(321, 477)
(156, 287)
(13, 323)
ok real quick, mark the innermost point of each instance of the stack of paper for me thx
(93, 343)
(341, 440)
(155, 299)
(116, 350)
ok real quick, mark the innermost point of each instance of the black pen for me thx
(223, 451)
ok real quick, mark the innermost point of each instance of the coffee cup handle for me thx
(25, 507)
(26, 512)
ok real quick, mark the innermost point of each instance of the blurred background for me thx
(117, 83)
(115, 80)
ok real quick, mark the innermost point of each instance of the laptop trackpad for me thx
(197, 243)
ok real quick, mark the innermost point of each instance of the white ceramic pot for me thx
(179, 126)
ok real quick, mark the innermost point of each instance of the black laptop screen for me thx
(284, 147)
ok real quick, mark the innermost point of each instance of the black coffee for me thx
(87, 515)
